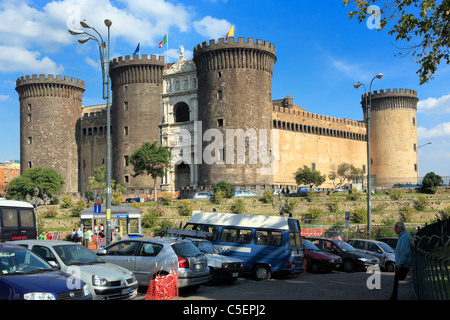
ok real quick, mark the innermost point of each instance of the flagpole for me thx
(167, 48)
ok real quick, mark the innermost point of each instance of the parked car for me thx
(332, 234)
(381, 250)
(392, 242)
(26, 276)
(203, 195)
(221, 267)
(132, 200)
(352, 260)
(318, 260)
(243, 193)
(306, 190)
(406, 186)
(105, 280)
(148, 257)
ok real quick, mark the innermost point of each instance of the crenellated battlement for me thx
(137, 60)
(51, 86)
(231, 43)
(42, 78)
(392, 99)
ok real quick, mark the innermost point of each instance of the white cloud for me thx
(3, 97)
(212, 28)
(435, 105)
(441, 130)
(16, 59)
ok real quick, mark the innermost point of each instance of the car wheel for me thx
(349, 266)
(261, 272)
(389, 267)
(315, 267)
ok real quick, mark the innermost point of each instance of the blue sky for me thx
(321, 54)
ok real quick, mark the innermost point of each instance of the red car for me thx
(318, 260)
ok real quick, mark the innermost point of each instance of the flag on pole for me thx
(163, 42)
(138, 48)
(230, 33)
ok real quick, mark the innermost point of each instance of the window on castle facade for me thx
(220, 122)
(126, 161)
(125, 131)
(30, 140)
(125, 106)
(29, 118)
(219, 95)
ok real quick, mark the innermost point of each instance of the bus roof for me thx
(14, 203)
(240, 220)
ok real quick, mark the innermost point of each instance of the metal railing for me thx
(431, 270)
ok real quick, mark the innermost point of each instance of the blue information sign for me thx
(97, 208)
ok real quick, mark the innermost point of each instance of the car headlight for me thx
(100, 281)
(39, 296)
(86, 291)
(363, 259)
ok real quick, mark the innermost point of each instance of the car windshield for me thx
(185, 249)
(310, 246)
(205, 246)
(344, 246)
(385, 247)
(13, 262)
(76, 254)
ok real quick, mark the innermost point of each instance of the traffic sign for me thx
(347, 220)
(97, 194)
(97, 207)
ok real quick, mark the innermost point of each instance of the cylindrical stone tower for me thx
(235, 99)
(137, 86)
(393, 136)
(50, 110)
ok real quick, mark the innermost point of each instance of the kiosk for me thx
(125, 221)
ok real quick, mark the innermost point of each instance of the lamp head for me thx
(85, 24)
(83, 40)
(75, 32)
(108, 23)
(379, 76)
(357, 85)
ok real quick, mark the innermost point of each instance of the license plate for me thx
(126, 291)
(235, 274)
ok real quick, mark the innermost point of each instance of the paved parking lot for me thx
(329, 286)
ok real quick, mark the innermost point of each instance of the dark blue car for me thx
(26, 276)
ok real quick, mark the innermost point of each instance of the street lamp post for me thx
(367, 112)
(104, 49)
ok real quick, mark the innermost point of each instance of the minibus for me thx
(17, 220)
(267, 244)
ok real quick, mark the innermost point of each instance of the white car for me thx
(203, 195)
(243, 193)
(105, 280)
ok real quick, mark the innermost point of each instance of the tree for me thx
(47, 180)
(225, 187)
(98, 180)
(430, 182)
(345, 172)
(152, 160)
(424, 22)
(309, 177)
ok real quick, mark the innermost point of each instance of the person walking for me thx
(402, 256)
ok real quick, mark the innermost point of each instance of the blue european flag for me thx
(138, 48)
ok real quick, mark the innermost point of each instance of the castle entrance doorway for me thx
(182, 176)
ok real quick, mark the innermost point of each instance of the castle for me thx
(217, 116)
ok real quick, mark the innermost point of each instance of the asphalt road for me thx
(330, 286)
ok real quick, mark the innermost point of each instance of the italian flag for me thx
(163, 42)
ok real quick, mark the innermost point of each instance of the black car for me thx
(352, 260)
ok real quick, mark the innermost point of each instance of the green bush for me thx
(238, 206)
(219, 196)
(79, 206)
(150, 218)
(421, 203)
(406, 213)
(289, 206)
(67, 202)
(51, 213)
(166, 199)
(267, 196)
(185, 208)
(431, 182)
(226, 187)
(315, 213)
(396, 194)
(334, 205)
(359, 216)
(354, 195)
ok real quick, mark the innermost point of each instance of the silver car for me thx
(379, 249)
(148, 257)
(105, 280)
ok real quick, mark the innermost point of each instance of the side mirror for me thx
(101, 252)
(54, 265)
